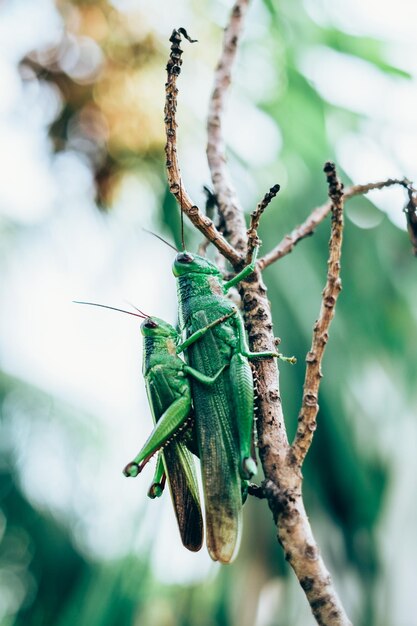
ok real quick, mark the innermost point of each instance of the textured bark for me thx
(283, 479)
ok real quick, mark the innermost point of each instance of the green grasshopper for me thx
(224, 412)
(167, 379)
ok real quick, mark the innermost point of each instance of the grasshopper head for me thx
(187, 263)
(155, 327)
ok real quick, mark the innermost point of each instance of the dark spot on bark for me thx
(251, 278)
(318, 604)
(311, 357)
(274, 395)
(334, 614)
(310, 399)
(311, 553)
(329, 166)
(291, 458)
(288, 556)
(329, 302)
(249, 302)
(307, 583)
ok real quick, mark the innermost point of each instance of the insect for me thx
(167, 379)
(224, 412)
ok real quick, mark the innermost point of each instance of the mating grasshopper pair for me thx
(215, 387)
(222, 395)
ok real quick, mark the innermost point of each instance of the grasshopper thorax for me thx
(188, 263)
(155, 327)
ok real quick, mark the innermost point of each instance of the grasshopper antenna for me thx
(160, 239)
(105, 306)
(136, 308)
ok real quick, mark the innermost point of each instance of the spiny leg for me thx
(169, 424)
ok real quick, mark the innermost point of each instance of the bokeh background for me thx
(81, 173)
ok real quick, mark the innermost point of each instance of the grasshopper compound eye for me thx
(185, 257)
(150, 324)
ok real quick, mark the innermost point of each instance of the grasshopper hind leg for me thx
(159, 479)
(171, 423)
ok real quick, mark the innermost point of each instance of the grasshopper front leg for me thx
(170, 423)
(198, 334)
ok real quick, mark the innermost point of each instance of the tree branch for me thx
(307, 228)
(228, 202)
(253, 239)
(310, 407)
(200, 221)
(283, 477)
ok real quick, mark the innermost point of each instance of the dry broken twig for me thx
(255, 218)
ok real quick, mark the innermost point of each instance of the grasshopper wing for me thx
(179, 468)
(218, 450)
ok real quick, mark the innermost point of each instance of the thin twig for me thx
(228, 202)
(310, 407)
(200, 221)
(307, 228)
(411, 215)
(255, 218)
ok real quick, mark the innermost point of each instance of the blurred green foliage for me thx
(347, 473)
